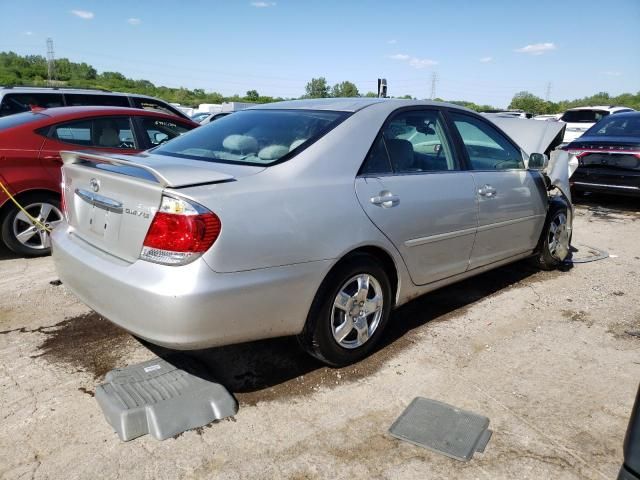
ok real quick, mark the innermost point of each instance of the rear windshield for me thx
(19, 119)
(254, 137)
(583, 116)
(617, 126)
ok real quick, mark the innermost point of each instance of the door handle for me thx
(487, 191)
(385, 199)
(56, 158)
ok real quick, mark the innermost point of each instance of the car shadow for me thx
(274, 368)
(619, 203)
(6, 254)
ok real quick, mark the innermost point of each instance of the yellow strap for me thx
(35, 221)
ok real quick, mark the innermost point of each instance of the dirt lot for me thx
(552, 358)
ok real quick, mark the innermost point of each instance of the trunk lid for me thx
(111, 199)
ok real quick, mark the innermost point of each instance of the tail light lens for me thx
(180, 232)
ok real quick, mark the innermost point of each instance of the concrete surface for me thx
(552, 358)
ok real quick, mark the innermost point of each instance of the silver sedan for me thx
(312, 218)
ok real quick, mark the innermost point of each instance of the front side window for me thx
(160, 130)
(154, 105)
(254, 137)
(487, 148)
(109, 132)
(23, 102)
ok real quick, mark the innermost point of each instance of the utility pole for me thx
(548, 93)
(434, 80)
(51, 67)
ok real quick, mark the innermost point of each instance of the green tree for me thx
(252, 96)
(317, 88)
(529, 103)
(371, 94)
(344, 89)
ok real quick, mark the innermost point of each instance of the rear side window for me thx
(13, 103)
(583, 116)
(160, 130)
(487, 148)
(413, 141)
(80, 99)
(254, 137)
(617, 126)
(110, 132)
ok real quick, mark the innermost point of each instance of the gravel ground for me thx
(552, 358)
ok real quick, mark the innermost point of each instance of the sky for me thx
(481, 51)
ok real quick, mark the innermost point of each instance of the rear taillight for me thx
(577, 153)
(180, 232)
(64, 186)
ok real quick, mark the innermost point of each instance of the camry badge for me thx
(95, 184)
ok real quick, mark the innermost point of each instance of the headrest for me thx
(273, 152)
(241, 143)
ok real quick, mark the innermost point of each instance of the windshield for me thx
(19, 119)
(617, 126)
(583, 116)
(254, 137)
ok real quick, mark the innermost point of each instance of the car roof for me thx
(610, 108)
(60, 112)
(348, 104)
(82, 91)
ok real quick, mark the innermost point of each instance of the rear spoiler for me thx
(166, 172)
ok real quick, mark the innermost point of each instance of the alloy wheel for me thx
(31, 235)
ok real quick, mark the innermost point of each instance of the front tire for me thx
(21, 235)
(349, 312)
(554, 244)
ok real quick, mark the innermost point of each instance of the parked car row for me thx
(30, 161)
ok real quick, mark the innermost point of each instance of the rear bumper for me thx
(609, 187)
(190, 306)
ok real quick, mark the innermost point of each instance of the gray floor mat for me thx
(158, 398)
(442, 428)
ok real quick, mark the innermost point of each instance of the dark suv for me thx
(22, 99)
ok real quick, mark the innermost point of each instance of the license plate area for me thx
(98, 215)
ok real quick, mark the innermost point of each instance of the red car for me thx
(30, 145)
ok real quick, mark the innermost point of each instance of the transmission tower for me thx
(51, 66)
(548, 92)
(434, 80)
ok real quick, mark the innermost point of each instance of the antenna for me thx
(434, 80)
(51, 66)
(548, 93)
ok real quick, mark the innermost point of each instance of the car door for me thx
(412, 188)
(511, 211)
(106, 134)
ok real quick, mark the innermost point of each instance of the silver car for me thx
(312, 218)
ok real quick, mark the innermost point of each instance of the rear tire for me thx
(20, 235)
(553, 247)
(349, 312)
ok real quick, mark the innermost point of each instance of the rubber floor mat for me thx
(442, 428)
(162, 398)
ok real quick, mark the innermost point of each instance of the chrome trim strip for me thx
(622, 187)
(439, 237)
(508, 222)
(99, 201)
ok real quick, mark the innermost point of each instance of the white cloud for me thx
(84, 14)
(134, 21)
(537, 48)
(612, 74)
(28, 33)
(393, 41)
(421, 62)
(413, 61)
(486, 59)
(263, 4)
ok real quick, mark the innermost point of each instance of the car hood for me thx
(533, 136)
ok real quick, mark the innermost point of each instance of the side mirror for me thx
(538, 161)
